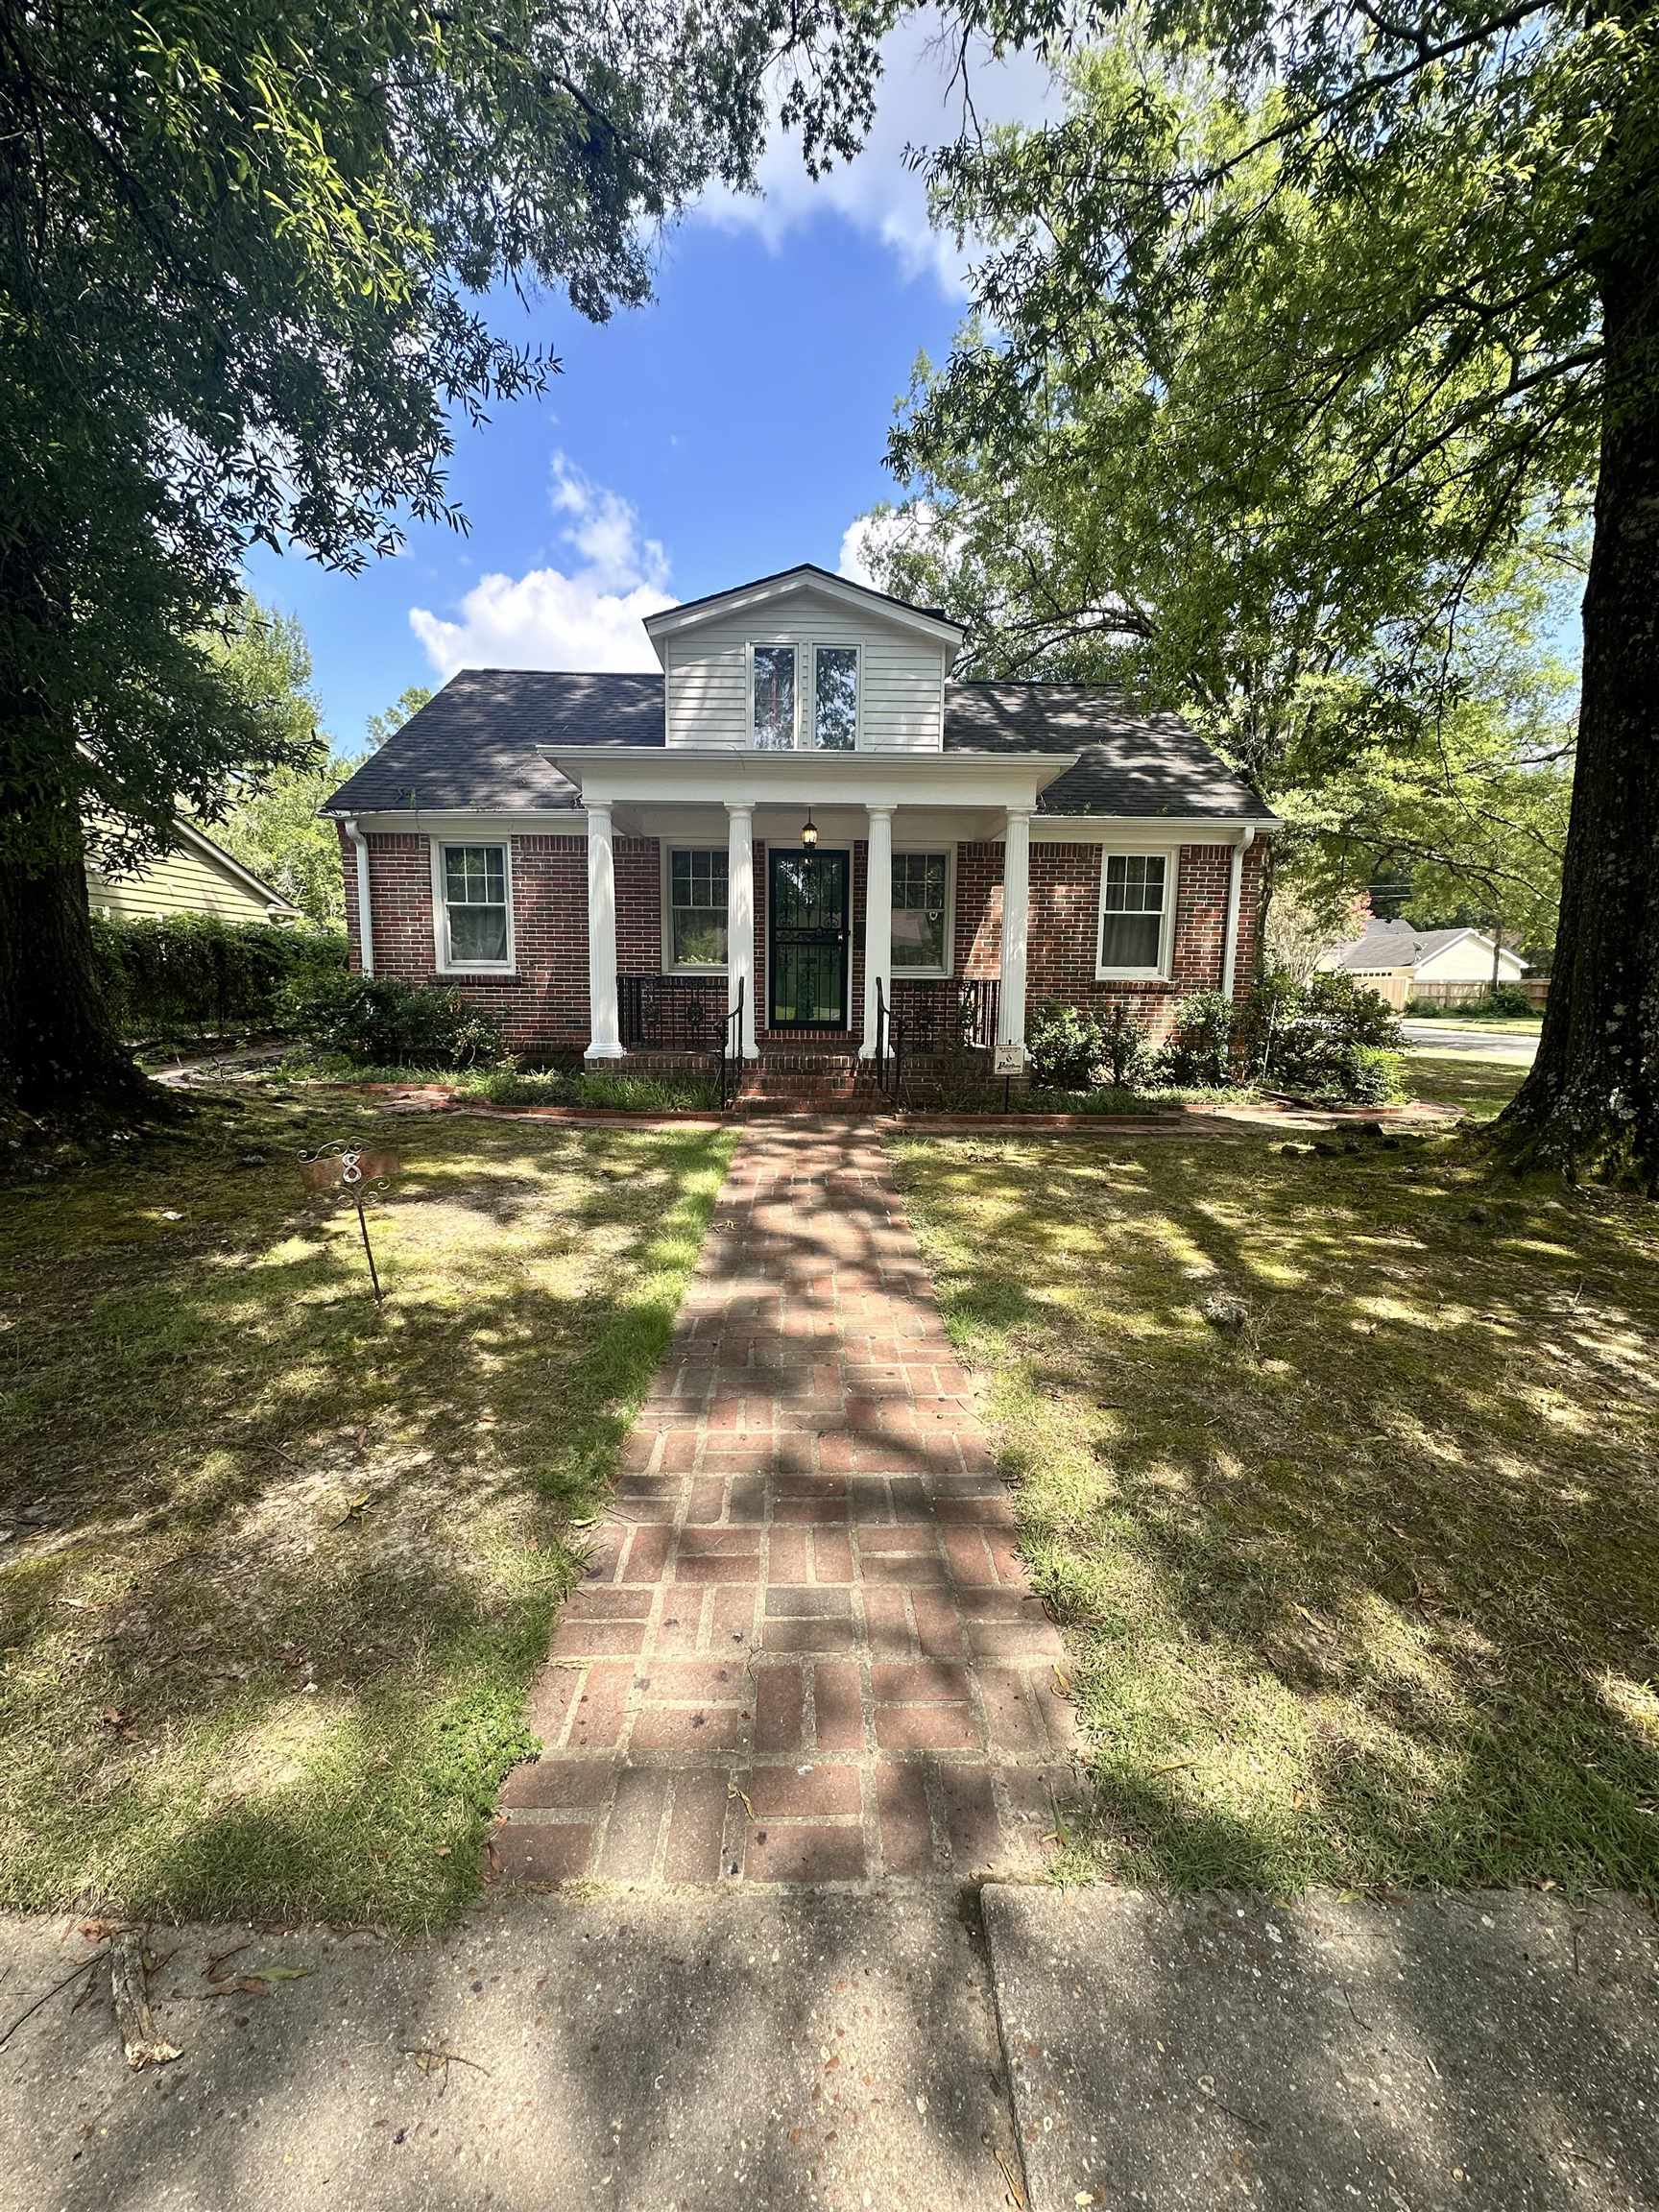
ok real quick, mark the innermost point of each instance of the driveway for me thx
(1492, 1044)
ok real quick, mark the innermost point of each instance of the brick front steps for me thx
(806, 1650)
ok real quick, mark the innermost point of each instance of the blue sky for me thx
(734, 425)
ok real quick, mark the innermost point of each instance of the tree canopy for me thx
(1296, 328)
(243, 273)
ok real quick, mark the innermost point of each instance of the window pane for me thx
(836, 704)
(919, 910)
(699, 937)
(477, 932)
(1130, 940)
(475, 875)
(775, 696)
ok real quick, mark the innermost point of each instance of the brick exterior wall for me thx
(1065, 913)
(543, 1006)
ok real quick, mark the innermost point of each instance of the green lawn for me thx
(275, 1569)
(1481, 1083)
(1365, 1594)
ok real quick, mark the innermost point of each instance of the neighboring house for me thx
(801, 812)
(196, 878)
(1400, 962)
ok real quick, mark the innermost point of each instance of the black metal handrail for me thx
(729, 1060)
(671, 1013)
(949, 1013)
(889, 1048)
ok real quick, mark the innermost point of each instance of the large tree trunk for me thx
(59, 1049)
(1591, 1103)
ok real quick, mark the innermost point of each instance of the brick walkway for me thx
(807, 1651)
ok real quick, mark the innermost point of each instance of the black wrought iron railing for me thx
(730, 1059)
(936, 1018)
(946, 1014)
(684, 1014)
(671, 1013)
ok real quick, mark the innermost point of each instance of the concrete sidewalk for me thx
(858, 2052)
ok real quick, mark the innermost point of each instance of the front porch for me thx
(930, 1031)
(809, 913)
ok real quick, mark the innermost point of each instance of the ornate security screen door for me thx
(807, 906)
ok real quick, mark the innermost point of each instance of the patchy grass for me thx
(1364, 1595)
(618, 1094)
(1483, 1084)
(274, 1568)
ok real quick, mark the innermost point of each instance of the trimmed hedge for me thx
(183, 975)
(376, 1023)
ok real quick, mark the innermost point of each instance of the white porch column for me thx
(604, 1041)
(878, 920)
(1016, 905)
(1235, 892)
(740, 919)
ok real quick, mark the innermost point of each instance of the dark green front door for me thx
(807, 902)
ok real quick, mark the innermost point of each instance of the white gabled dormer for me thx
(804, 662)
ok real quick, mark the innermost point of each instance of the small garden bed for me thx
(276, 1566)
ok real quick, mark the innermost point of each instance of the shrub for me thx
(193, 975)
(1328, 1038)
(1425, 1009)
(375, 1022)
(1124, 1049)
(1199, 1052)
(1508, 1000)
(1065, 1047)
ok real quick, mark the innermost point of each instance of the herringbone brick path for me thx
(806, 1649)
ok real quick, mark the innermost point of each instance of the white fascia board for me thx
(453, 822)
(613, 776)
(1155, 831)
(745, 598)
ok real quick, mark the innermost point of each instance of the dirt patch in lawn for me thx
(274, 1566)
(1360, 1573)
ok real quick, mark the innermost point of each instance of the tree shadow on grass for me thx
(294, 1557)
(1363, 1593)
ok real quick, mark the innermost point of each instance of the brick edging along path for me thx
(806, 1649)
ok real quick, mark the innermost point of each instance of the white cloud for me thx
(917, 104)
(862, 543)
(588, 617)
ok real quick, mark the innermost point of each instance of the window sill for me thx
(1133, 975)
(921, 974)
(464, 975)
(686, 974)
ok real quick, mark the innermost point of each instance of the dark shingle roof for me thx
(1129, 763)
(473, 747)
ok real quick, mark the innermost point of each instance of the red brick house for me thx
(801, 816)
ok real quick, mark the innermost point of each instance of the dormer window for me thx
(836, 697)
(774, 697)
(826, 719)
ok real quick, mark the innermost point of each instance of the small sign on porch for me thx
(354, 1171)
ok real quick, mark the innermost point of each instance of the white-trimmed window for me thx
(920, 914)
(834, 698)
(694, 880)
(1136, 914)
(472, 906)
(772, 697)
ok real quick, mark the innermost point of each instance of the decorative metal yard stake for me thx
(356, 1170)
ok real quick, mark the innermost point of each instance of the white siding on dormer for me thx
(901, 676)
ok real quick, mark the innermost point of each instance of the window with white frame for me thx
(774, 697)
(696, 935)
(835, 698)
(921, 911)
(475, 907)
(1135, 899)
